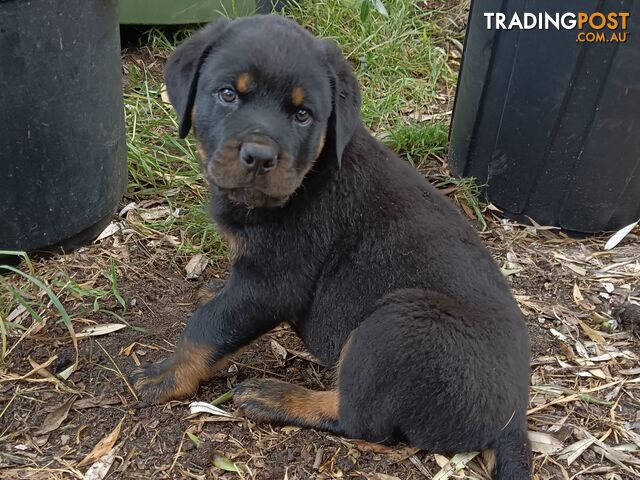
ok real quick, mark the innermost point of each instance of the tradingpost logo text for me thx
(596, 27)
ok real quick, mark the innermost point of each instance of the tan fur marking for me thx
(243, 82)
(234, 244)
(192, 365)
(320, 146)
(279, 183)
(297, 96)
(311, 406)
(202, 154)
(204, 296)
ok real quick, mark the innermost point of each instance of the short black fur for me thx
(372, 266)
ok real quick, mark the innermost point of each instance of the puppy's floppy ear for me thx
(345, 114)
(183, 69)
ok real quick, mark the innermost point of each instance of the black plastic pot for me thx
(63, 166)
(548, 124)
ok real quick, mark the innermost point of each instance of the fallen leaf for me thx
(196, 266)
(111, 229)
(164, 95)
(279, 352)
(100, 330)
(17, 312)
(99, 470)
(617, 237)
(55, 418)
(93, 402)
(458, 462)
(154, 213)
(43, 372)
(510, 271)
(103, 446)
(579, 270)
(194, 438)
(126, 351)
(225, 397)
(127, 208)
(306, 355)
(598, 373)
(223, 463)
(542, 442)
(591, 333)
(205, 407)
(66, 373)
(573, 451)
(381, 476)
(399, 454)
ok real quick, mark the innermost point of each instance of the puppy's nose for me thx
(257, 157)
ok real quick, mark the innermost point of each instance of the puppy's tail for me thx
(510, 457)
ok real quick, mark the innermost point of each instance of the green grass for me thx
(400, 60)
(466, 192)
(163, 167)
(420, 141)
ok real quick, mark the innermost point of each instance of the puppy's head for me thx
(267, 100)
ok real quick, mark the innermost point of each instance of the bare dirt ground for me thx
(580, 302)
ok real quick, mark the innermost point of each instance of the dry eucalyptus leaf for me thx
(196, 266)
(100, 330)
(154, 213)
(205, 407)
(456, 463)
(55, 418)
(223, 463)
(111, 229)
(542, 442)
(103, 446)
(279, 352)
(99, 470)
(617, 237)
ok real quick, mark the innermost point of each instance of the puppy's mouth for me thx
(250, 197)
(252, 174)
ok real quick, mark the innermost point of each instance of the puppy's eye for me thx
(227, 95)
(303, 116)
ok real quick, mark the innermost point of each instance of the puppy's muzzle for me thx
(258, 158)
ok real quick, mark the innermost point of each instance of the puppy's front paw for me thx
(157, 383)
(175, 378)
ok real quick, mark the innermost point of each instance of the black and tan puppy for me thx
(336, 235)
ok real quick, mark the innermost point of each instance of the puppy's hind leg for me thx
(273, 401)
(428, 370)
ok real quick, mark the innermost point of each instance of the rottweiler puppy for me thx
(333, 233)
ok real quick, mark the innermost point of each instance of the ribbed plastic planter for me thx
(549, 124)
(62, 147)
